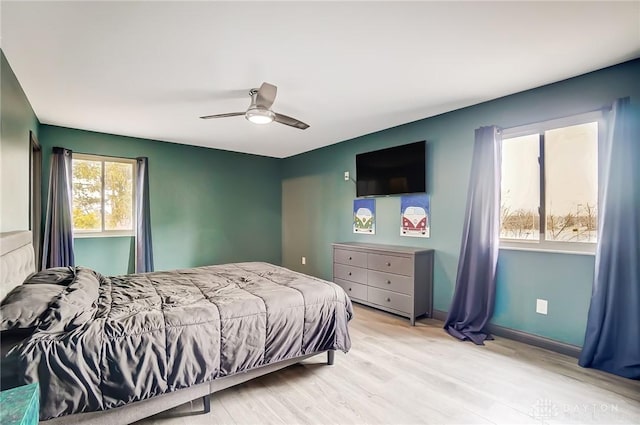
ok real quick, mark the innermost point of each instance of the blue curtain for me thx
(612, 339)
(144, 251)
(57, 250)
(473, 300)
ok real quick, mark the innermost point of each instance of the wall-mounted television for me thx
(391, 171)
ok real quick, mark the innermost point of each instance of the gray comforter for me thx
(108, 341)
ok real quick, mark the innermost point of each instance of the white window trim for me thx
(83, 234)
(541, 127)
(561, 247)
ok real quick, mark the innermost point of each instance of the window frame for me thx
(543, 245)
(35, 196)
(80, 234)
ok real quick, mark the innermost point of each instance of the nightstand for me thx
(20, 405)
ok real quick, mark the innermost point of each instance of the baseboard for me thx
(527, 338)
(535, 340)
(440, 315)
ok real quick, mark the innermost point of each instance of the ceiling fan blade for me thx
(283, 119)
(230, 114)
(266, 95)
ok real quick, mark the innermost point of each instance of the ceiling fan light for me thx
(260, 116)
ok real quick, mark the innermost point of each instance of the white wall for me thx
(17, 119)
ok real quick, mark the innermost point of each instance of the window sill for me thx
(103, 235)
(546, 250)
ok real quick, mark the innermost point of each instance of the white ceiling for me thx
(150, 69)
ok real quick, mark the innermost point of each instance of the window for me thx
(103, 196)
(549, 193)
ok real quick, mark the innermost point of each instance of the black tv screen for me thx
(396, 170)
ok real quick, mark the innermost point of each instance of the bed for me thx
(116, 349)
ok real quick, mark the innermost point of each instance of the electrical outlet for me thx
(346, 176)
(304, 260)
(541, 306)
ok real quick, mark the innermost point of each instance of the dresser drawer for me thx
(352, 258)
(350, 273)
(389, 299)
(390, 264)
(354, 290)
(390, 282)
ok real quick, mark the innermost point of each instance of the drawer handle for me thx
(349, 289)
(388, 264)
(350, 258)
(388, 300)
(388, 282)
(349, 273)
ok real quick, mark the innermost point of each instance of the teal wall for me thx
(207, 206)
(317, 203)
(17, 119)
(562, 279)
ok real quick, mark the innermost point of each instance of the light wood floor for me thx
(397, 374)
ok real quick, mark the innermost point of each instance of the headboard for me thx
(16, 259)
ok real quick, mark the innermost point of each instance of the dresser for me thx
(392, 278)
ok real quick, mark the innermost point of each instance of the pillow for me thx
(23, 306)
(57, 276)
(76, 305)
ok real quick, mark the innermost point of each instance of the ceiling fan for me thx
(259, 111)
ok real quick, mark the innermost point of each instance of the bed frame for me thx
(17, 262)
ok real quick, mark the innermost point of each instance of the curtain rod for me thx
(99, 154)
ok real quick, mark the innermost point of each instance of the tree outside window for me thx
(103, 190)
